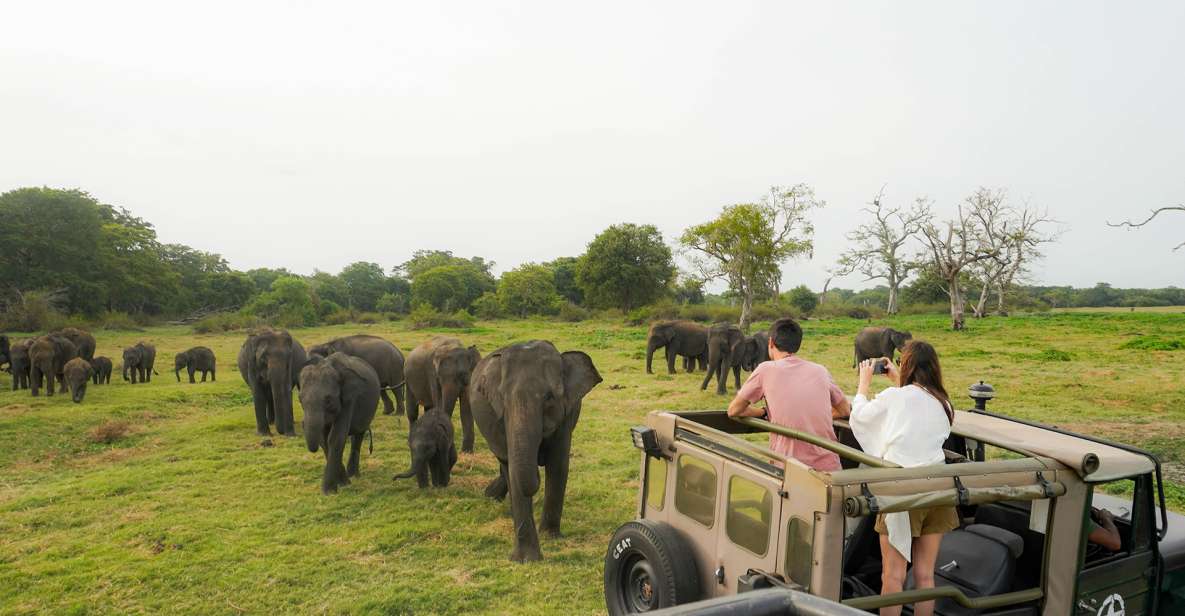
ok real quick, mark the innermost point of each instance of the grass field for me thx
(190, 513)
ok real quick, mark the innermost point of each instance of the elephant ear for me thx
(580, 376)
(487, 380)
(474, 357)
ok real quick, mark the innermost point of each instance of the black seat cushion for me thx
(979, 560)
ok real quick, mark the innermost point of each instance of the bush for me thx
(696, 312)
(34, 311)
(803, 299)
(852, 311)
(327, 308)
(226, 322)
(488, 306)
(426, 316)
(936, 308)
(572, 313)
(338, 317)
(368, 318)
(116, 320)
(390, 302)
(773, 311)
(109, 431)
(1152, 343)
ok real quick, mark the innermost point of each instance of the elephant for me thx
(47, 358)
(384, 357)
(750, 351)
(873, 342)
(139, 359)
(438, 374)
(432, 449)
(340, 395)
(77, 373)
(270, 362)
(722, 338)
(197, 359)
(81, 339)
(526, 401)
(5, 351)
(684, 338)
(19, 364)
(102, 366)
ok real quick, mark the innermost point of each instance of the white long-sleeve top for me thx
(905, 425)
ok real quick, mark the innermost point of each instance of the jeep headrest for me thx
(1004, 537)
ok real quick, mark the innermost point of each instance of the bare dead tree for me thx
(961, 242)
(877, 246)
(1154, 214)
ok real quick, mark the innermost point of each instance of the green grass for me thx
(191, 513)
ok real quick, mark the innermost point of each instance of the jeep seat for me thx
(978, 559)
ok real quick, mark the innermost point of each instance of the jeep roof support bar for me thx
(946, 592)
(730, 440)
(862, 505)
(842, 450)
(1164, 516)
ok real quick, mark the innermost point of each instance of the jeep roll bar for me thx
(765, 602)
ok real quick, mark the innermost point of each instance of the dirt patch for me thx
(110, 431)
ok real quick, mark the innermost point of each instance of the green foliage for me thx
(689, 290)
(1153, 343)
(573, 313)
(832, 310)
(329, 289)
(1045, 355)
(425, 316)
(802, 298)
(326, 307)
(365, 283)
(263, 277)
(395, 303)
(424, 260)
(450, 287)
(226, 322)
(529, 289)
(625, 266)
(564, 269)
(117, 321)
(289, 303)
(488, 306)
(32, 311)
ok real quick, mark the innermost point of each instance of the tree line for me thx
(65, 251)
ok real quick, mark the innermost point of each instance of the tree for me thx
(424, 260)
(960, 243)
(263, 277)
(529, 289)
(565, 279)
(876, 246)
(450, 287)
(289, 303)
(329, 288)
(365, 283)
(748, 242)
(1018, 243)
(625, 266)
(689, 290)
(802, 298)
(1154, 214)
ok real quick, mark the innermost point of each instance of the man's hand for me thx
(740, 407)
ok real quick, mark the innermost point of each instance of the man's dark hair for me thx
(786, 334)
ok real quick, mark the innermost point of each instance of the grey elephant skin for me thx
(722, 338)
(102, 366)
(194, 360)
(438, 375)
(270, 362)
(384, 357)
(751, 351)
(526, 401)
(873, 342)
(686, 339)
(48, 356)
(340, 395)
(77, 373)
(432, 449)
(140, 362)
(5, 351)
(19, 363)
(81, 339)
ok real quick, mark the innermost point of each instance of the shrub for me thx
(109, 431)
(328, 307)
(34, 311)
(338, 317)
(696, 312)
(529, 289)
(802, 298)
(116, 320)
(1152, 343)
(390, 302)
(572, 313)
(426, 316)
(368, 318)
(773, 311)
(936, 308)
(488, 306)
(852, 311)
(226, 322)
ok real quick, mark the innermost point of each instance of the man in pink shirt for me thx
(798, 394)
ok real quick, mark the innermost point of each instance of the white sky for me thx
(310, 135)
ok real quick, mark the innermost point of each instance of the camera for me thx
(880, 366)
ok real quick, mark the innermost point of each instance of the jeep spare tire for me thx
(649, 566)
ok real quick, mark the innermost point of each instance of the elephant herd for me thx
(724, 348)
(524, 398)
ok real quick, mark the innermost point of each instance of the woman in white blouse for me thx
(907, 424)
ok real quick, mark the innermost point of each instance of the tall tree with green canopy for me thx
(529, 289)
(747, 244)
(365, 283)
(564, 270)
(625, 266)
(424, 260)
(450, 287)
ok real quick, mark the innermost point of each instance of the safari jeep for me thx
(720, 514)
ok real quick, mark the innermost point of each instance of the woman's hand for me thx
(892, 372)
(865, 377)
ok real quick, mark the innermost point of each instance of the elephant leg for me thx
(388, 408)
(413, 407)
(466, 424)
(399, 402)
(708, 376)
(335, 473)
(721, 376)
(35, 381)
(191, 373)
(422, 474)
(212, 376)
(355, 454)
(670, 351)
(262, 415)
(203, 376)
(557, 482)
(736, 376)
(526, 538)
(497, 488)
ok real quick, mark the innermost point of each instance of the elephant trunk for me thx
(314, 430)
(280, 379)
(651, 346)
(523, 441)
(418, 460)
(449, 393)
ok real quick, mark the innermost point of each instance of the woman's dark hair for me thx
(786, 334)
(919, 366)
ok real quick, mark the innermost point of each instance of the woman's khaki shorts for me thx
(931, 521)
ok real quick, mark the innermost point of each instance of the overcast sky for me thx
(311, 135)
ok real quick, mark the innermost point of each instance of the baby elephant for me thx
(431, 441)
(139, 360)
(197, 359)
(102, 366)
(340, 395)
(77, 373)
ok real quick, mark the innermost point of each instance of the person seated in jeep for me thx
(798, 394)
(1103, 531)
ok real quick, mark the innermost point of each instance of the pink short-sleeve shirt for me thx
(799, 394)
